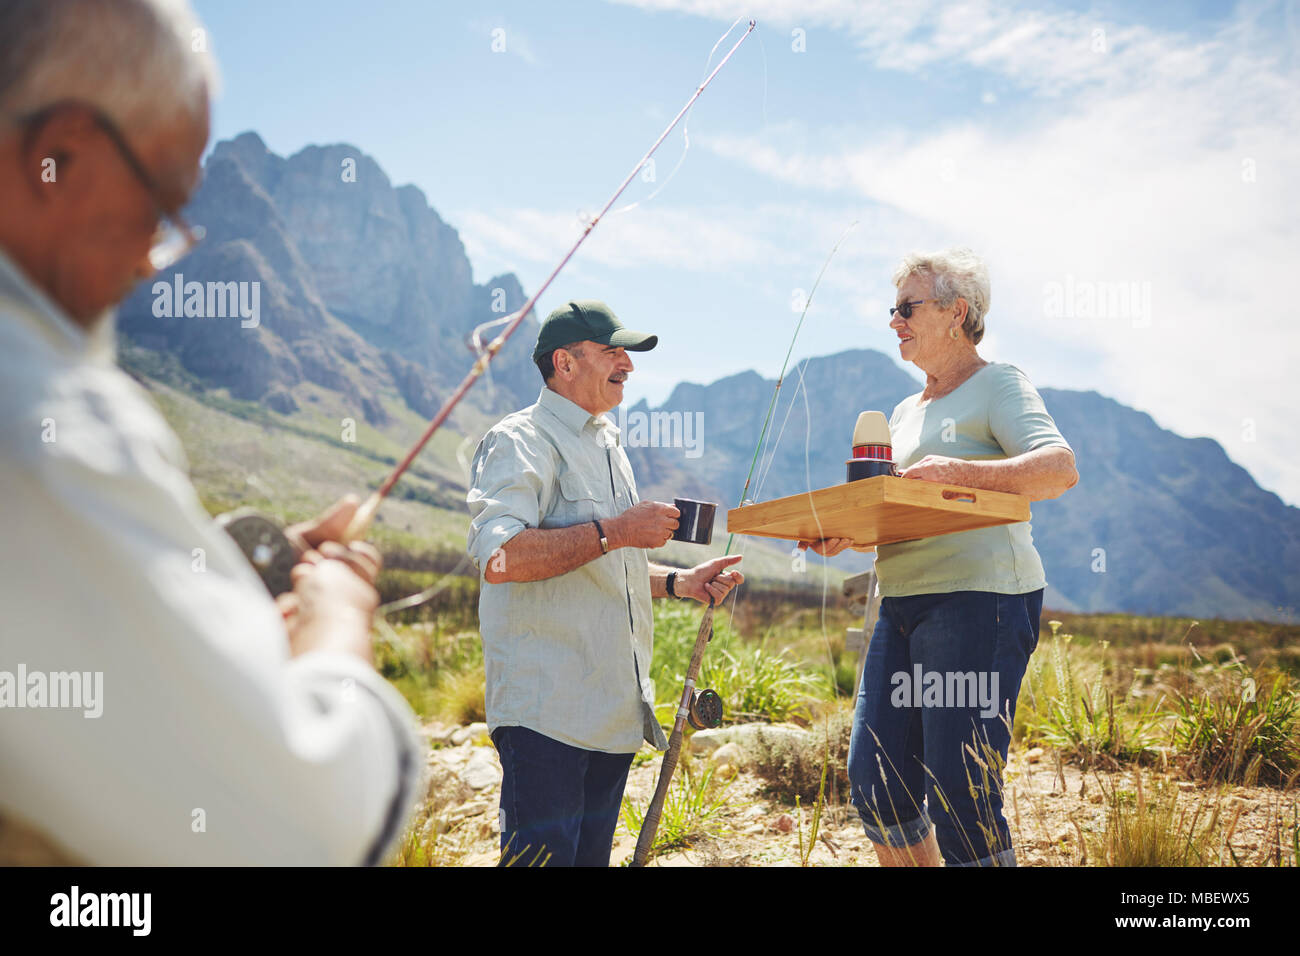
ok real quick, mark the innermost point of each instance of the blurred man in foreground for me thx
(156, 707)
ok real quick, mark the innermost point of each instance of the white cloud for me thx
(695, 239)
(1049, 51)
(1138, 172)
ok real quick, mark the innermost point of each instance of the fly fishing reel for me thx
(263, 542)
(706, 710)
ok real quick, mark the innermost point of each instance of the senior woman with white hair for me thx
(926, 771)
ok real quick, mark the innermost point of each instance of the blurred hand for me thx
(709, 580)
(332, 602)
(329, 525)
(648, 524)
(360, 556)
(317, 542)
(827, 547)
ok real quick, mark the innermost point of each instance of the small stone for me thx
(472, 732)
(466, 810)
(482, 770)
(1186, 785)
(784, 823)
(750, 738)
(728, 755)
(438, 732)
(446, 786)
(1033, 755)
(705, 742)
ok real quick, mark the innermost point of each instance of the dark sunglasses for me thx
(905, 310)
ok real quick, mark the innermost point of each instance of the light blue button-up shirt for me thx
(568, 656)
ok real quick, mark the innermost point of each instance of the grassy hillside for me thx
(242, 454)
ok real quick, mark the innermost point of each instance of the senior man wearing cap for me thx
(561, 537)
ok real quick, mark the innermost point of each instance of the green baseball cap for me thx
(587, 320)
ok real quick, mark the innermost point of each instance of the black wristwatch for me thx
(669, 584)
(604, 541)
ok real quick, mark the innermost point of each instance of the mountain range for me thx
(367, 305)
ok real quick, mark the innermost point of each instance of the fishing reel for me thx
(264, 544)
(705, 712)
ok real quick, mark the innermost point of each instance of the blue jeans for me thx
(933, 720)
(559, 804)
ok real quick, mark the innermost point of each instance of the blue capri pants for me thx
(933, 720)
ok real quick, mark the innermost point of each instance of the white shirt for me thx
(213, 745)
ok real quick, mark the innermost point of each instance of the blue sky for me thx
(1130, 172)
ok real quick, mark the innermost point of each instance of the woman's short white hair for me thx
(142, 62)
(954, 274)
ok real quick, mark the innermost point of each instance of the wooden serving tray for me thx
(880, 510)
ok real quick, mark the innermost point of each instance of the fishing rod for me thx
(650, 823)
(366, 513)
(263, 540)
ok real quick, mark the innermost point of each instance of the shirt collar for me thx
(41, 312)
(573, 415)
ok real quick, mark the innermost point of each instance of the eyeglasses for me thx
(174, 237)
(905, 310)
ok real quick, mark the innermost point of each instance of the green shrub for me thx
(792, 767)
(1079, 718)
(757, 685)
(695, 798)
(1241, 730)
(1158, 830)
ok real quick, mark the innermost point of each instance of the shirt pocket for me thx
(576, 502)
(627, 495)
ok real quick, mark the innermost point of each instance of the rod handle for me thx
(360, 522)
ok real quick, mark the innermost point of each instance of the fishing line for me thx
(650, 822)
(485, 351)
(686, 126)
(767, 420)
(765, 469)
(807, 473)
(769, 453)
(365, 514)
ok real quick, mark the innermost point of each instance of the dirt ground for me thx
(1056, 813)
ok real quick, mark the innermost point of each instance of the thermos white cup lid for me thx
(872, 429)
